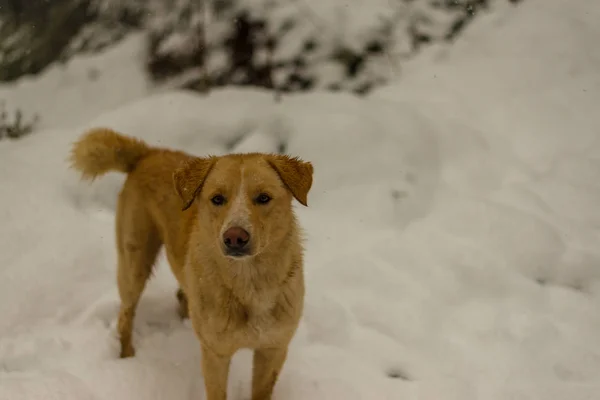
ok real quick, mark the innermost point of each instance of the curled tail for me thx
(102, 150)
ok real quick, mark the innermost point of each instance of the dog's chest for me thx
(254, 325)
(259, 325)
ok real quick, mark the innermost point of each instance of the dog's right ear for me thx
(189, 179)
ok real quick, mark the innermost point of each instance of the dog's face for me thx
(244, 200)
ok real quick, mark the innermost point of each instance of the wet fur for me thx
(254, 302)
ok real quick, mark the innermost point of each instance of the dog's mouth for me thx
(237, 253)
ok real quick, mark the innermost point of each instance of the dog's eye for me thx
(263, 198)
(218, 200)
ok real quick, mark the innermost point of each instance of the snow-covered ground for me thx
(453, 233)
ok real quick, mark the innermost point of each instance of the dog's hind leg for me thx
(138, 243)
(182, 301)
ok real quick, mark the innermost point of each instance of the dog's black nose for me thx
(236, 238)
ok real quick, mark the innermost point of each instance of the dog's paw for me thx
(127, 352)
(183, 313)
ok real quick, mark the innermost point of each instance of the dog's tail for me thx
(102, 150)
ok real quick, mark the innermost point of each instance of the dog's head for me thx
(245, 200)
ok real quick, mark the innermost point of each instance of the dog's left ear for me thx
(189, 179)
(296, 174)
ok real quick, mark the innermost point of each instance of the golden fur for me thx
(249, 296)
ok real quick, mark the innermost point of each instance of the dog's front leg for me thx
(215, 368)
(266, 368)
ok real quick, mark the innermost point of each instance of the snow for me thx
(71, 94)
(452, 227)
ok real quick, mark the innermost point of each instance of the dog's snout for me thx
(236, 238)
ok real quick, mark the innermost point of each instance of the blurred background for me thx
(286, 45)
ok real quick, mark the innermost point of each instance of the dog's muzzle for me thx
(236, 242)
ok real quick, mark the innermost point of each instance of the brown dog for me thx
(235, 248)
